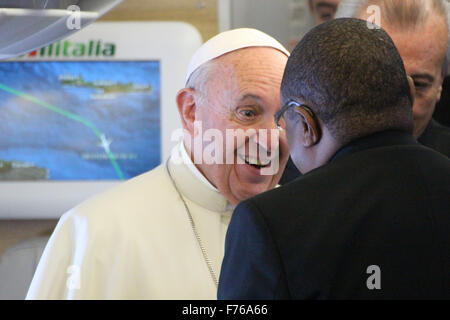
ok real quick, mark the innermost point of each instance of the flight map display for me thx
(79, 120)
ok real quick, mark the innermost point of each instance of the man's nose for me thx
(267, 137)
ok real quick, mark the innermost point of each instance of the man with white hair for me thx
(161, 235)
(420, 30)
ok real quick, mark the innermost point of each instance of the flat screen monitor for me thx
(79, 120)
(88, 112)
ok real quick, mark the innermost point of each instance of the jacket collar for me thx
(376, 140)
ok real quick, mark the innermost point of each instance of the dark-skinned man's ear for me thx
(186, 108)
(310, 127)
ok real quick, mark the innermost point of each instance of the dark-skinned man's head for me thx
(343, 81)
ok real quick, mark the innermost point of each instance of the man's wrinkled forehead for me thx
(250, 75)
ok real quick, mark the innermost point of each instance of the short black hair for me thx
(349, 72)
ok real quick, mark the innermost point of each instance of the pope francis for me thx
(161, 235)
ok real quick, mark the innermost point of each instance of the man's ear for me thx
(186, 108)
(310, 128)
(439, 93)
(412, 89)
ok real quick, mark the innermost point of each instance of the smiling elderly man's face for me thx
(423, 52)
(323, 10)
(243, 92)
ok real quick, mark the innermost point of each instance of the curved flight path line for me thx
(71, 116)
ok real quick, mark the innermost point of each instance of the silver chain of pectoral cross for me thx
(194, 229)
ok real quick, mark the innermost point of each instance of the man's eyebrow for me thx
(324, 5)
(423, 76)
(250, 96)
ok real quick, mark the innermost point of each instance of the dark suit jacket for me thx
(290, 173)
(383, 200)
(442, 111)
(436, 137)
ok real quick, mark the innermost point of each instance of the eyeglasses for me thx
(281, 124)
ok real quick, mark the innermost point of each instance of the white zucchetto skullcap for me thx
(229, 41)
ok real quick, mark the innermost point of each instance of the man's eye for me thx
(421, 85)
(247, 113)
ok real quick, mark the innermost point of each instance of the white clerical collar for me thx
(188, 161)
(193, 185)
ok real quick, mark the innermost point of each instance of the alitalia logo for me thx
(68, 49)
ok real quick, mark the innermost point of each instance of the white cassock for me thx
(136, 240)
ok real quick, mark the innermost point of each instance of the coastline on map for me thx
(21, 171)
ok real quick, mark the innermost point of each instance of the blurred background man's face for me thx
(423, 51)
(323, 10)
(244, 93)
